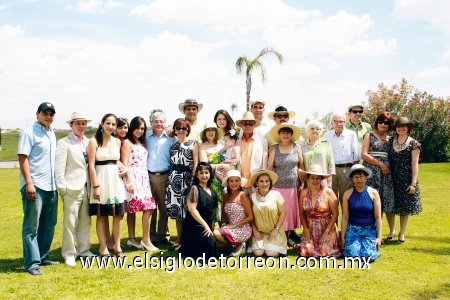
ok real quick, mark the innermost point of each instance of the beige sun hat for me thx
(257, 101)
(189, 102)
(248, 116)
(276, 136)
(207, 125)
(355, 105)
(280, 109)
(272, 175)
(77, 116)
(312, 170)
(233, 173)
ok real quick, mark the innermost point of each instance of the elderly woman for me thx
(318, 213)
(317, 151)
(236, 215)
(375, 148)
(285, 161)
(361, 216)
(269, 213)
(404, 158)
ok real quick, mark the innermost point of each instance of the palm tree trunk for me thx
(249, 88)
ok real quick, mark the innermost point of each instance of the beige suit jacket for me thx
(71, 169)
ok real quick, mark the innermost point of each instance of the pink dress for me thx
(142, 198)
(236, 213)
(317, 220)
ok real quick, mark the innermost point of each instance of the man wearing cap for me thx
(355, 124)
(253, 149)
(345, 153)
(280, 115)
(257, 108)
(71, 176)
(36, 151)
(190, 108)
(158, 166)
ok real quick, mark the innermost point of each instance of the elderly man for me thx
(71, 179)
(158, 165)
(355, 124)
(280, 115)
(190, 108)
(345, 153)
(36, 151)
(253, 149)
(257, 108)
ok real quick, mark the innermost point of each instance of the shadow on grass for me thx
(432, 250)
(440, 292)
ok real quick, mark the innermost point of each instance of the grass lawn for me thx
(417, 269)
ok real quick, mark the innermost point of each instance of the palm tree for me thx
(243, 64)
(234, 107)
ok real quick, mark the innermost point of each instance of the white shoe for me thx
(148, 248)
(70, 262)
(240, 251)
(133, 245)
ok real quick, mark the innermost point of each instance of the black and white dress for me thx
(181, 156)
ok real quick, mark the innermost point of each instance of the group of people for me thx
(259, 180)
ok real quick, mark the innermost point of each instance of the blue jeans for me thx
(38, 228)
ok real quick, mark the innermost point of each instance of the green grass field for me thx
(417, 269)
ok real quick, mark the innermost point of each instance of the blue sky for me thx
(129, 57)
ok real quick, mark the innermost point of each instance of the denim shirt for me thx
(39, 145)
(158, 159)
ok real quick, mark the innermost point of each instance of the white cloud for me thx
(334, 66)
(446, 55)
(432, 73)
(342, 34)
(433, 11)
(94, 6)
(8, 31)
(235, 15)
(2, 7)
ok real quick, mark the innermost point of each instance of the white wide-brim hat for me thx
(233, 173)
(312, 170)
(358, 167)
(276, 136)
(272, 175)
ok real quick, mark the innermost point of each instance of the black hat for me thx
(45, 106)
(403, 121)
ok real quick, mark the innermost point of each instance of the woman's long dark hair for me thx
(99, 134)
(203, 165)
(230, 122)
(134, 124)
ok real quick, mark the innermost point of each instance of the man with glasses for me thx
(280, 115)
(158, 166)
(344, 145)
(71, 175)
(253, 149)
(257, 108)
(36, 151)
(355, 124)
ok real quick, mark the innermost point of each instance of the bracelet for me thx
(413, 185)
(277, 228)
(96, 186)
(327, 230)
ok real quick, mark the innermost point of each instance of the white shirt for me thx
(344, 146)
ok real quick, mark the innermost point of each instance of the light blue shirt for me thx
(39, 145)
(158, 159)
(345, 146)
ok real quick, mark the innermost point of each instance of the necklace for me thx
(400, 145)
(210, 146)
(262, 197)
(383, 139)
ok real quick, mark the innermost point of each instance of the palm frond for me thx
(242, 62)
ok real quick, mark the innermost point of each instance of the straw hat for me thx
(358, 167)
(233, 173)
(248, 116)
(353, 106)
(77, 116)
(276, 136)
(189, 102)
(272, 175)
(312, 170)
(403, 121)
(280, 109)
(207, 125)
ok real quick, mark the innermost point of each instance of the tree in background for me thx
(429, 114)
(234, 107)
(244, 65)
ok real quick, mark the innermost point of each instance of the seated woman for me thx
(361, 216)
(197, 238)
(269, 212)
(236, 214)
(318, 215)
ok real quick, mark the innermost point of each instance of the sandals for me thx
(119, 254)
(390, 238)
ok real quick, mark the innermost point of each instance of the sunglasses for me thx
(281, 116)
(357, 111)
(248, 123)
(387, 123)
(183, 128)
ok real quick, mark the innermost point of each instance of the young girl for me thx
(230, 154)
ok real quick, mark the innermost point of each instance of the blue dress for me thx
(361, 232)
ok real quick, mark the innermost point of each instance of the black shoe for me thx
(50, 263)
(164, 243)
(295, 237)
(35, 271)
